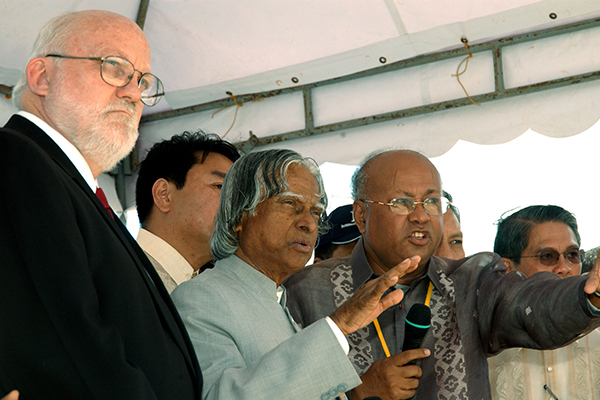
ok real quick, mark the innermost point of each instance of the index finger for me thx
(403, 358)
(403, 268)
(377, 287)
(390, 278)
(593, 280)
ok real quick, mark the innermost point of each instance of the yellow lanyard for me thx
(378, 328)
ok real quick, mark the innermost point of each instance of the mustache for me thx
(122, 105)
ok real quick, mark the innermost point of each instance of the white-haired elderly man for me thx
(83, 313)
(246, 342)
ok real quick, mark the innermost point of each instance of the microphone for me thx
(416, 324)
(372, 398)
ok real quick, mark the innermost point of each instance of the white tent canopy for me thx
(202, 50)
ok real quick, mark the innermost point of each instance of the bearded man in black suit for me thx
(84, 314)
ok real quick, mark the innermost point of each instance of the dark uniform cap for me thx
(342, 230)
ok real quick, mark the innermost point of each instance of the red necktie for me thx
(102, 197)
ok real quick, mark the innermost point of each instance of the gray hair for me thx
(53, 38)
(251, 180)
(359, 178)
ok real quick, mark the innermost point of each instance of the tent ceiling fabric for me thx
(203, 49)
(264, 44)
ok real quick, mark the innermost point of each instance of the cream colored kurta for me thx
(571, 372)
(172, 268)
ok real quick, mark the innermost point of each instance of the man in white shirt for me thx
(544, 239)
(177, 196)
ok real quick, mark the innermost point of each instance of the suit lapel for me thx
(159, 294)
(161, 297)
(38, 136)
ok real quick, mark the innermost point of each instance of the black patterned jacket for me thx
(477, 310)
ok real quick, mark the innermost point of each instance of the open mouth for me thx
(302, 246)
(419, 238)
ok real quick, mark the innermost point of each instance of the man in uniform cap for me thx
(340, 239)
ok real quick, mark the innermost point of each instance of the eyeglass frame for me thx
(581, 253)
(142, 74)
(415, 203)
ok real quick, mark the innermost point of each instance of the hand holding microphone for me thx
(416, 325)
(397, 377)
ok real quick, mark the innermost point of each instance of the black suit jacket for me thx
(83, 314)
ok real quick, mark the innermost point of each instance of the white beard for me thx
(100, 135)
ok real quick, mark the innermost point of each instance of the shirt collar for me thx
(67, 147)
(362, 271)
(166, 255)
(280, 293)
(253, 279)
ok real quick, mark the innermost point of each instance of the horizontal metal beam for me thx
(425, 109)
(495, 47)
(213, 105)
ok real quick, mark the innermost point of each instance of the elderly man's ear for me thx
(37, 76)
(238, 228)
(359, 210)
(510, 264)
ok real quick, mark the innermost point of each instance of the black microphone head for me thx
(372, 398)
(416, 324)
(419, 314)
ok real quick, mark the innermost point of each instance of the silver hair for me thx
(53, 38)
(359, 178)
(251, 180)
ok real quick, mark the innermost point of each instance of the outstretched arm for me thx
(592, 285)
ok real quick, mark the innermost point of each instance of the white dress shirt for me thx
(171, 266)
(67, 147)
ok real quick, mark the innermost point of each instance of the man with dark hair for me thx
(451, 243)
(83, 314)
(520, 237)
(177, 196)
(247, 344)
(531, 241)
(340, 238)
(477, 310)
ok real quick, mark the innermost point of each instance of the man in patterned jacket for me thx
(477, 309)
